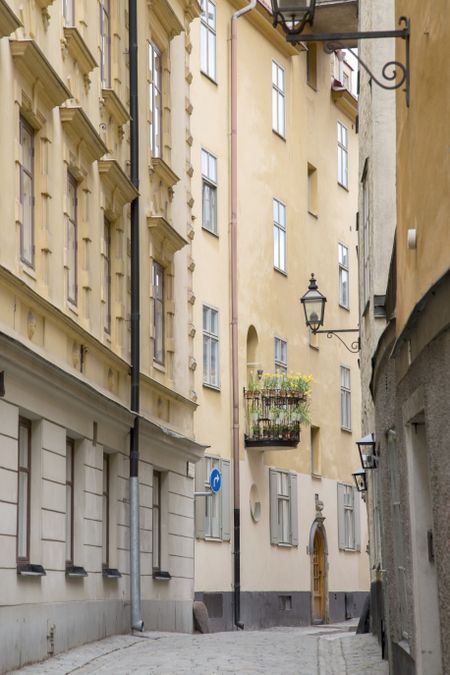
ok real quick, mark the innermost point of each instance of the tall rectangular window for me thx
(209, 192)
(210, 346)
(349, 534)
(346, 399)
(208, 39)
(70, 451)
(105, 512)
(343, 276)
(342, 156)
(311, 65)
(72, 240)
(280, 355)
(107, 274)
(283, 508)
(278, 99)
(312, 190)
(158, 313)
(105, 43)
(27, 193)
(316, 459)
(365, 240)
(279, 235)
(23, 497)
(68, 12)
(156, 521)
(155, 94)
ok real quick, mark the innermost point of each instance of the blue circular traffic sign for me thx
(215, 480)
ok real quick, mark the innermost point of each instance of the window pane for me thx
(282, 235)
(22, 521)
(276, 246)
(69, 523)
(23, 446)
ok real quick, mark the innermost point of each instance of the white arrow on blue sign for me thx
(215, 480)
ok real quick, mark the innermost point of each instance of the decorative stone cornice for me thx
(122, 189)
(115, 107)
(82, 132)
(8, 20)
(166, 234)
(163, 171)
(166, 16)
(32, 63)
(79, 50)
(192, 10)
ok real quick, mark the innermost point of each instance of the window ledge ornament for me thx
(81, 130)
(121, 189)
(79, 50)
(166, 16)
(114, 106)
(344, 100)
(165, 234)
(164, 172)
(8, 20)
(32, 63)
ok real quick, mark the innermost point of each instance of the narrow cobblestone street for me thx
(321, 650)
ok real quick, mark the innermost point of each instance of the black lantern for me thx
(314, 305)
(293, 14)
(366, 447)
(360, 478)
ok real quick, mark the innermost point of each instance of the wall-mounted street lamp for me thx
(366, 447)
(314, 305)
(295, 15)
(360, 478)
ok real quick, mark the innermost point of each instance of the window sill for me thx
(284, 545)
(344, 187)
(350, 550)
(280, 136)
(208, 77)
(312, 86)
(73, 308)
(316, 476)
(30, 570)
(213, 387)
(214, 234)
(159, 366)
(280, 271)
(111, 573)
(346, 429)
(346, 307)
(214, 539)
(161, 575)
(314, 215)
(74, 571)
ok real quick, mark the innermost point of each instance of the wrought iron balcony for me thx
(273, 417)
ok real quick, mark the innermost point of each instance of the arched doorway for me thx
(318, 550)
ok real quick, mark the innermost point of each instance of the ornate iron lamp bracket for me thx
(354, 346)
(393, 72)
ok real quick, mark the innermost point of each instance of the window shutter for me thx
(294, 508)
(225, 469)
(274, 532)
(341, 515)
(356, 506)
(200, 477)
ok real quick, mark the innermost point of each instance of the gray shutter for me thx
(274, 533)
(225, 490)
(356, 508)
(293, 508)
(340, 515)
(200, 477)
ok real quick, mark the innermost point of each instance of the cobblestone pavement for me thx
(320, 650)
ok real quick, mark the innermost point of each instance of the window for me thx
(278, 99)
(342, 155)
(283, 508)
(70, 451)
(68, 12)
(279, 236)
(209, 192)
(346, 80)
(105, 512)
(346, 399)
(312, 189)
(27, 193)
(72, 240)
(343, 276)
(316, 459)
(105, 44)
(349, 534)
(365, 240)
(107, 275)
(23, 498)
(280, 355)
(158, 313)
(156, 521)
(155, 68)
(210, 346)
(212, 514)
(208, 39)
(311, 65)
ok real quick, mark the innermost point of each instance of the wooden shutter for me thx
(356, 514)
(274, 530)
(341, 516)
(293, 508)
(225, 469)
(200, 477)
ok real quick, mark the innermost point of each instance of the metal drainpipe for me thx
(234, 318)
(135, 571)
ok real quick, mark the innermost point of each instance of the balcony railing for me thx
(273, 418)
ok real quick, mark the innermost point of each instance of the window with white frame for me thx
(106, 254)
(156, 521)
(23, 494)
(208, 39)
(278, 99)
(342, 155)
(279, 235)
(105, 43)
(283, 508)
(365, 240)
(158, 313)
(27, 193)
(349, 528)
(280, 355)
(346, 399)
(105, 510)
(212, 514)
(210, 346)
(68, 12)
(209, 192)
(70, 456)
(343, 276)
(155, 102)
(72, 240)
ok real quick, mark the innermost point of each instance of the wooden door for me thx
(318, 579)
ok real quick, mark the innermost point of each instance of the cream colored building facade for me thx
(297, 175)
(65, 291)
